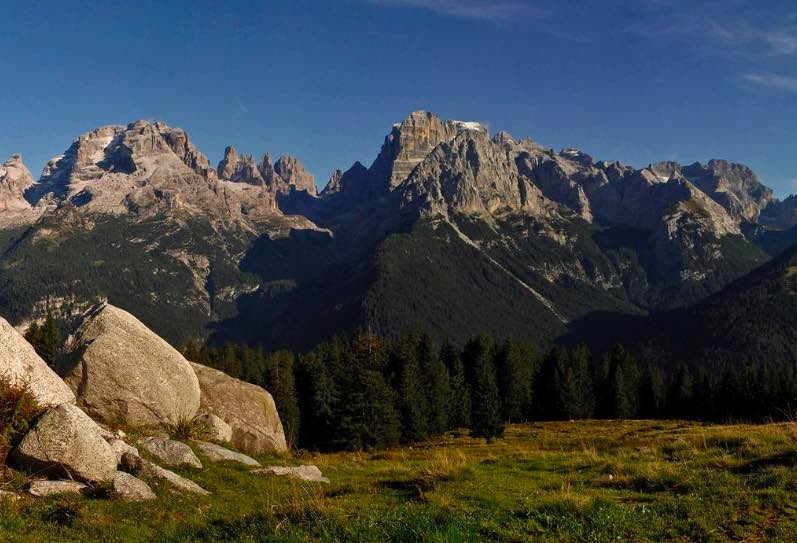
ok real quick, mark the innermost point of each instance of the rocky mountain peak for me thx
(408, 143)
(734, 186)
(15, 179)
(239, 168)
(294, 176)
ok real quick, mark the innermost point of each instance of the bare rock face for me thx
(734, 186)
(294, 176)
(473, 174)
(130, 489)
(247, 408)
(120, 370)
(15, 179)
(67, 443)
(239, 168)
(780, 214)
(147, 168)
(20, 364)
(170, 452)
(409, 143)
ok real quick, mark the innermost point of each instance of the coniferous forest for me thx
(364, 392)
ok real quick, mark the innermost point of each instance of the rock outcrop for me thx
(122, 371)
(247, 408)
(15, 179)
(65, 442)
(293, 176)
(239, 168)
(20, 364)
(145, 169)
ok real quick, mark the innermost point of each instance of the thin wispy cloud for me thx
(774, 81)
(487, 10)
(720, 29)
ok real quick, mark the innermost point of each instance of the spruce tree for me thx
(437, 386)
(459, 398)
(45, 339)
(621, 385)
(279, 380)
(579, 396)
(680, 397)
(413, 405)
(486, 418)
(366, 414)
(516, 363)
(651, 393)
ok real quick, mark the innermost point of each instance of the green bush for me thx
(18, 409)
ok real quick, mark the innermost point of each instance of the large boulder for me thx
(20, 364)
(67, 443)
(122, 371)
(247, 408)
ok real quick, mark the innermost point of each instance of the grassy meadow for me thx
(558, 481)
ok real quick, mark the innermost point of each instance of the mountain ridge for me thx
(575, 234)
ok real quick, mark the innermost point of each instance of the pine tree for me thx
(621, 385)
(680, 397)
(516, 366)
(579, 396)
(318, 396)
(486, 418)
(45, 339)
(460, 402)
(437, 386)
(366, 414)
(651, 393)
(413, 402)
(279, 380)
(552, 394)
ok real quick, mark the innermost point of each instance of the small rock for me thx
(130, 489)
(41, 488)
(120, 447)
(215, 427)
(172, 453)
(216, 453)
(66, 442)
(139, 466)
(305, 473)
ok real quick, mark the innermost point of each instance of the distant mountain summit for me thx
(450, 229)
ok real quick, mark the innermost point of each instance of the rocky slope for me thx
(248, 250)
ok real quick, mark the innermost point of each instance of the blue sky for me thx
(633, 80)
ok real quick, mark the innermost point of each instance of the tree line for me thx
(363, 391)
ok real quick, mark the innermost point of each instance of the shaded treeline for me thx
(366, 392)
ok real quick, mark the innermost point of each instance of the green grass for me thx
(570, 481)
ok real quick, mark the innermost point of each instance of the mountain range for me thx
(451, 230)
